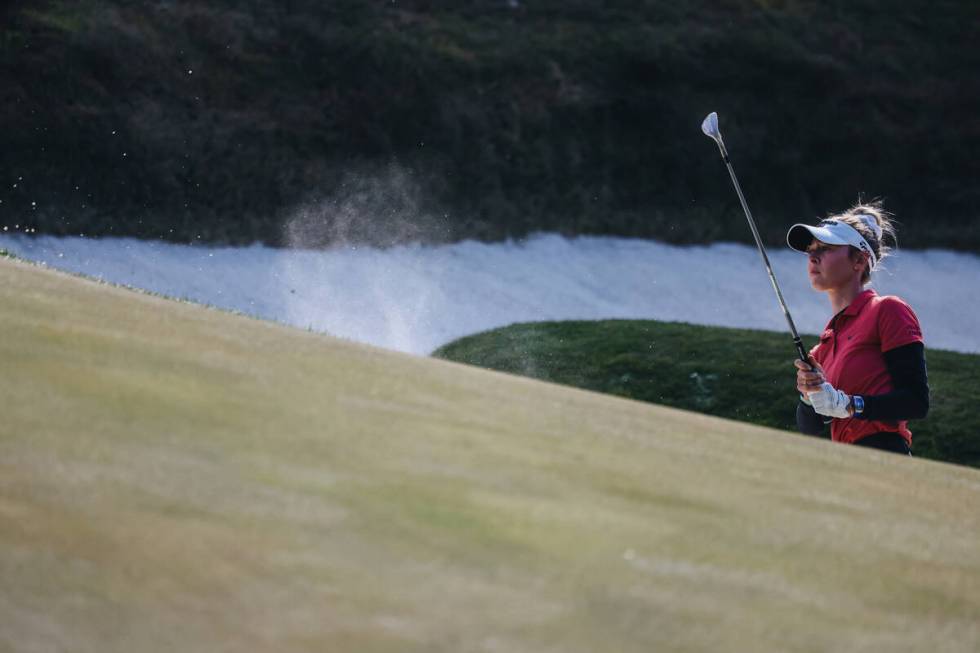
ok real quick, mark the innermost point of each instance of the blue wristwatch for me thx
(858, 402)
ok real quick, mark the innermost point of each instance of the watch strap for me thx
(858, 401)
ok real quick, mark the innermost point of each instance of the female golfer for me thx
(868, 376)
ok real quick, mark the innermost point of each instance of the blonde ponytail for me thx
(875, 225)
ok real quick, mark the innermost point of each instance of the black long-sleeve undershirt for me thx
(908, 400)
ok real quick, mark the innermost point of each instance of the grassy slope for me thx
(739, 374)
(177, 478)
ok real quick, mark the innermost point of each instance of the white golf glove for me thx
(830, 401)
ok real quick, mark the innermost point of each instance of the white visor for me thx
(832, 232)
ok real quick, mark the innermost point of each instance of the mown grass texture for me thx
(179, 478)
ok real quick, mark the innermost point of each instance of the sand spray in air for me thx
(372, 223)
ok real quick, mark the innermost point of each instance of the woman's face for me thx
(830, 266)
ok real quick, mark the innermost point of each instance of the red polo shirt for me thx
(850, 352)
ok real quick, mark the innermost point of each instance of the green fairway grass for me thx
(177, 478)
(739, 374)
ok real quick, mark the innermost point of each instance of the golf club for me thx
(710, 128)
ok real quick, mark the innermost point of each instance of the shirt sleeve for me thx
(897, 324)
(910, 398)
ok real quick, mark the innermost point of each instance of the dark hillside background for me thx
(307, 122)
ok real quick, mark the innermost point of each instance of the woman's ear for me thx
(859, 258)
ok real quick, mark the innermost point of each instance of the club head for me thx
(710, 126)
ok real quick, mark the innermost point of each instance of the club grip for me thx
(802, 352)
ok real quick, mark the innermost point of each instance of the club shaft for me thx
(800, 349)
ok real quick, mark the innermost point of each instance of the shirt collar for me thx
(851, 309)
(858, 302)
